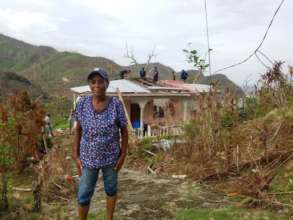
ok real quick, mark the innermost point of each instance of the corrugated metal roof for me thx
(198, 87)
(169, 82)
(124, 85)
(165, 88)
(192, 87)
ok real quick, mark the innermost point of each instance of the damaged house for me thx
(153, 109)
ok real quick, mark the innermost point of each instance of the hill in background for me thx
(221, 82)
(56, 72)
(11, 82)
(17, 55)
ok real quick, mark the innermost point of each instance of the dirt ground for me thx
(144, 196)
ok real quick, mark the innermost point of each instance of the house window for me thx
(158, 112)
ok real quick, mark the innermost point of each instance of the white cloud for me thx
(102, 27)
(19, 20)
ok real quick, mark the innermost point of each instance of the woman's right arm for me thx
(76, 146)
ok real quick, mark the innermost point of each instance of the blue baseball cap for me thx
(98, 72)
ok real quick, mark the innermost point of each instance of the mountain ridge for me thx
(11, 82)
(56, 72)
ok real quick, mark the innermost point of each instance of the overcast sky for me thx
(102, 28)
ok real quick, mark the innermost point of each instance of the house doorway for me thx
(135, 115)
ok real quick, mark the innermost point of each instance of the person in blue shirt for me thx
(101, 121)
(184, 75)
(142, 73)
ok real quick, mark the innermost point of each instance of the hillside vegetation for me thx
(56, 72)
(11, 83)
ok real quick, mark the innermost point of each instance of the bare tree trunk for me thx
(4, 197)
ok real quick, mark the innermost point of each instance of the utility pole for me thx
(208, 38)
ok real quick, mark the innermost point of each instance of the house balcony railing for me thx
(158, 131)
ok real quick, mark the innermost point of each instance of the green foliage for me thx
(139, 151)
(55, 72)
(145, 143)
(5, 159)
(255, 109)
(194, 58)
(6, 65)
(276, 92)
(62, 124)
(283, 182)
(205, 130)
(35, 216)
(18, 56)
(168, 136)
(101, 215)
(191, 129)
(59, 109)
(22, 65)
(227, 121)
(228, 117)
(252, 107)
(61, 71)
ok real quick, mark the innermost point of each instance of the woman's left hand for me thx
(120, 162)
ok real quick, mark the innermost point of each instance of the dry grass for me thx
(55, 173)
(222, 142)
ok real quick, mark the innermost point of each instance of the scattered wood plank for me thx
(62, 198)
(182, 176)
(151, 170)
(274, 204)
(57, 185)
(281, 193)
(21, 189)
(149, 152)
(232, 170)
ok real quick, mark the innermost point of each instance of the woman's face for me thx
(98, 86)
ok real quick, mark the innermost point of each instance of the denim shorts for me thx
(88, 180)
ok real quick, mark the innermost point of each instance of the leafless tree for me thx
(130, 55)
(151, 55)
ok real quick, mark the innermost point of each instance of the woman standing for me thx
(100, 123)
